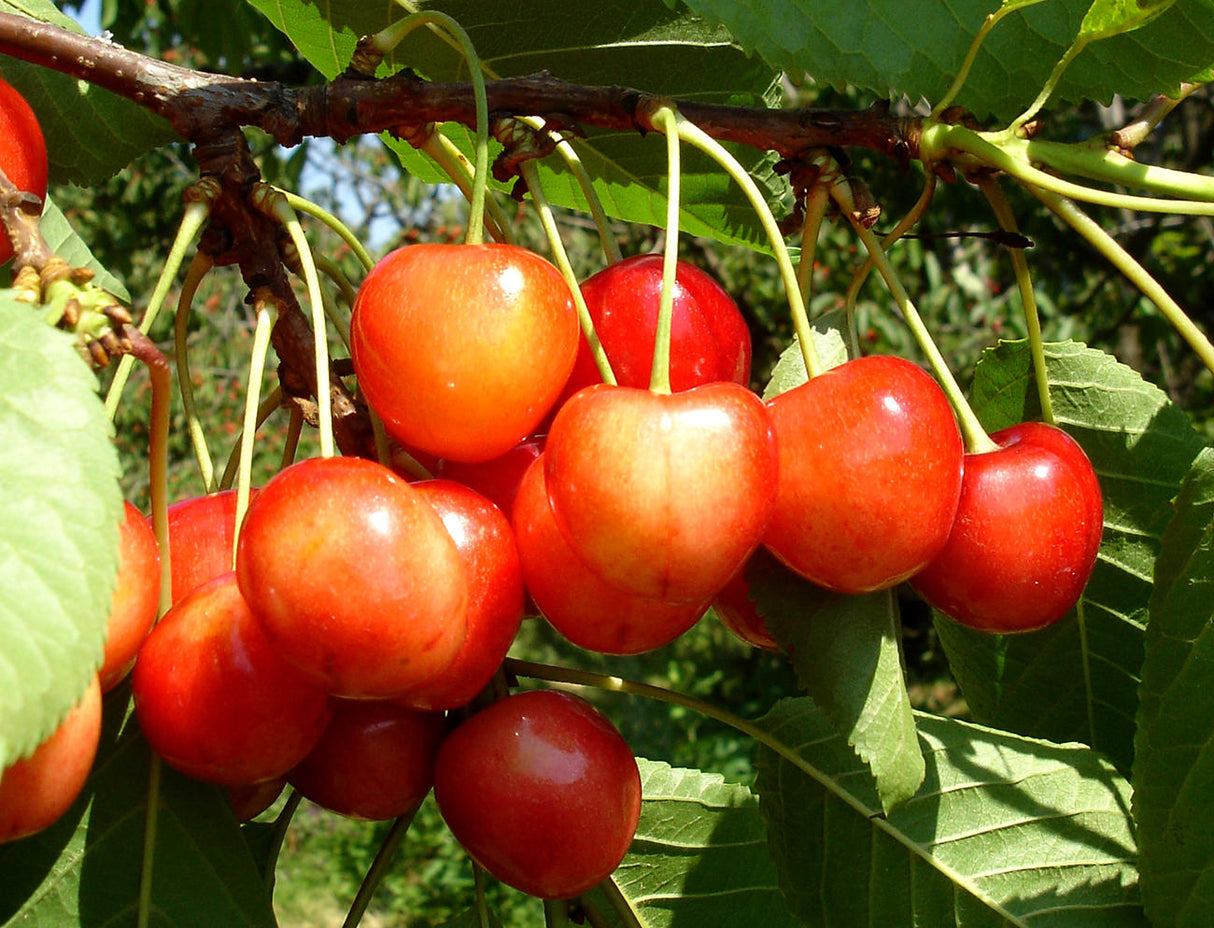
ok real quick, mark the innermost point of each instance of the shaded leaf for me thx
(1078, 679)
(59, 517)
(700, 854)
(845, 653)
(90, 132)
(1174, 750)
(64, 241)
(1004, 831)
(85, 869)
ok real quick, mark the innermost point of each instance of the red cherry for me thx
(202, 538)
(575, 600)
(22, 151)
(251, 799)
(136, 600)
(497, 479)
(1026, 534)
(214, 697)
(463, 349)
(375, 760)
(870, 474)
(664, 496)
(485, 542)
(709, 338)
(38, 789)
(739, 613)
(542, 791)
(354, 577)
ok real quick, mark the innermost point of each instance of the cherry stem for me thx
(665, 120)
(556, 913)
(264, 411)
(379, 868)
(1028, 299)
(389, 38)
(160, 375)
(290, 445)
(151, 824)
(816, 202)
(455, 165)
(481, 903)
(624, 909)
(200, 266)
(266, 315)
(607, 239)
(695, 136)
(595, 914)
(1121, 259)
(195, 214)
(992, 20)
(340, 321)
(1051, 82)
(278, 207)
(531, 176)
(304, 205)
(278, 836)
(976, 439)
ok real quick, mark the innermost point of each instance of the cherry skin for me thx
(214, 697)
(485, 541)
(709, 338)
(575, 600)
(463, 349)
(22, 151)
(542, 791)
(36, 790)
(663, 496)
(136, 599)
(202, 537)
(354, 577)
(251, 799)
(375, 760)
(870, 474)
(1026, 534)
(499, 478)
(739, 613)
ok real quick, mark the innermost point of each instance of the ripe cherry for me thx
(38, 789)
(485, 542)
(214, 697)
(740, 614)
(354, 577)
(375, 760)
(663, 496)
(463, 349)
(709, 338)
(136, 599)
(870, 474)
(22, 151)
(251, 799)
(497, 479)
(202, 537)
(1026, 534)
(542, 791)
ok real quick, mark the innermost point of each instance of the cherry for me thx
(214, 697)
(354, 577)
(136, 599)
(38, 789)
(375, 760)
(498, 478)
(542, 791)
(22, 151)
(202, 537)
(575, 600)
(463, 349)
(709, 338)
(739, 613)
(870, 474)
(663, 495)
(249, 800)
(485, 542)
(1026, 534)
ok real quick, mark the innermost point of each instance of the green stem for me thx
(257, 363)
(268, 405)
(696, 137)
(200, 266)
(816, 202)
(378, 869)
(1096, 161)
(556, 913)
(304, 205)
(624, 909)
(279, 835)
(976, 439)
(992, 19)
(531, 177)
(1028, 299)
(1121, 259)
(481, 903)
(389, 38)
(451, 160)
(290, 446)
(1051, 83)
(150, 828)
(666, 120)
(196, 213)
(596, 916)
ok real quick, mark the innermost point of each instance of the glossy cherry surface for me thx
(202, 537)
(22, 150)
(136, 599)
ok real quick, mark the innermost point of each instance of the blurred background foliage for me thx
(961, 282)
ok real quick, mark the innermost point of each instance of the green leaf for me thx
(1078, 679)
(1106, 18)
(1004, 831)
(893, 49)
(1174, 750)
(64, 241)
(59, 517)
(830, 341)
(845, 653)
(85, 869)
(90, 132)
(700, 854)
(631, 43)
